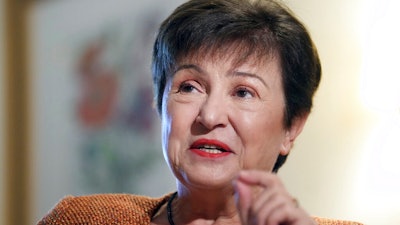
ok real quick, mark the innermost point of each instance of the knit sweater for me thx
(121, 209)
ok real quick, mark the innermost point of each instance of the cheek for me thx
(181, 117)
(177, 122)
(262, 136)
(171, 134)
(165, 130)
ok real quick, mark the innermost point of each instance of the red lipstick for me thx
(210, 148)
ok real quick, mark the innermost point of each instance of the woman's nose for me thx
(213, 112)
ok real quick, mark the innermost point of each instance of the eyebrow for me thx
(189, 66)
(233, 73)
(252, 75)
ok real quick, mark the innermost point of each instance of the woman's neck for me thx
(204, 206)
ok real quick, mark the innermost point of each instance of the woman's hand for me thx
(263, 200)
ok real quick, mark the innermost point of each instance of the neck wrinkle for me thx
(205, 207)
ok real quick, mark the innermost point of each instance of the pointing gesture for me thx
(263, 200)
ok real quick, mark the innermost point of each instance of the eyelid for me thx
(249, 90)
(193, 83)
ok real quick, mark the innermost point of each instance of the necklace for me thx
(169, 210)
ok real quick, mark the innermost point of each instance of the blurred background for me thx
(76, 107)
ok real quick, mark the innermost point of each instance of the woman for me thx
(234, 81)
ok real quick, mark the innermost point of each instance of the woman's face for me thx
(218, 119)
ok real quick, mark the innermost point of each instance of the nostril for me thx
(212, 120)
(213, 112)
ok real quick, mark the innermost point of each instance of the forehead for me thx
(232, 55)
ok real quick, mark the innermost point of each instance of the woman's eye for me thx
(186, 88)
(244, 93)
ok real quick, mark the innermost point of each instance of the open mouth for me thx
(210, 148)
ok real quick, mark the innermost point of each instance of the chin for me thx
(207, 178)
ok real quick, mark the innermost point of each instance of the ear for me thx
(292, 133)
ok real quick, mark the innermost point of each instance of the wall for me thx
(339, 167)
(2, 106)
(74, 154)
(326, 170)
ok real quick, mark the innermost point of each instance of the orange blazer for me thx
(119, 209)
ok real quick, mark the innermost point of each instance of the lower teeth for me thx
(212, 151)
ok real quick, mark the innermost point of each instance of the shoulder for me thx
(104, 209)
(326, 221)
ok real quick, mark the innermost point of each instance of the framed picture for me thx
(94, 128)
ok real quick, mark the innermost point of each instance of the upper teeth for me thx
(209, 146)
(211, 149)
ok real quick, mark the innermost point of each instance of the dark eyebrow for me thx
(234, 73)
(252, 75)
(188, 66)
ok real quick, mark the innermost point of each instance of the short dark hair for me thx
(257, 28)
